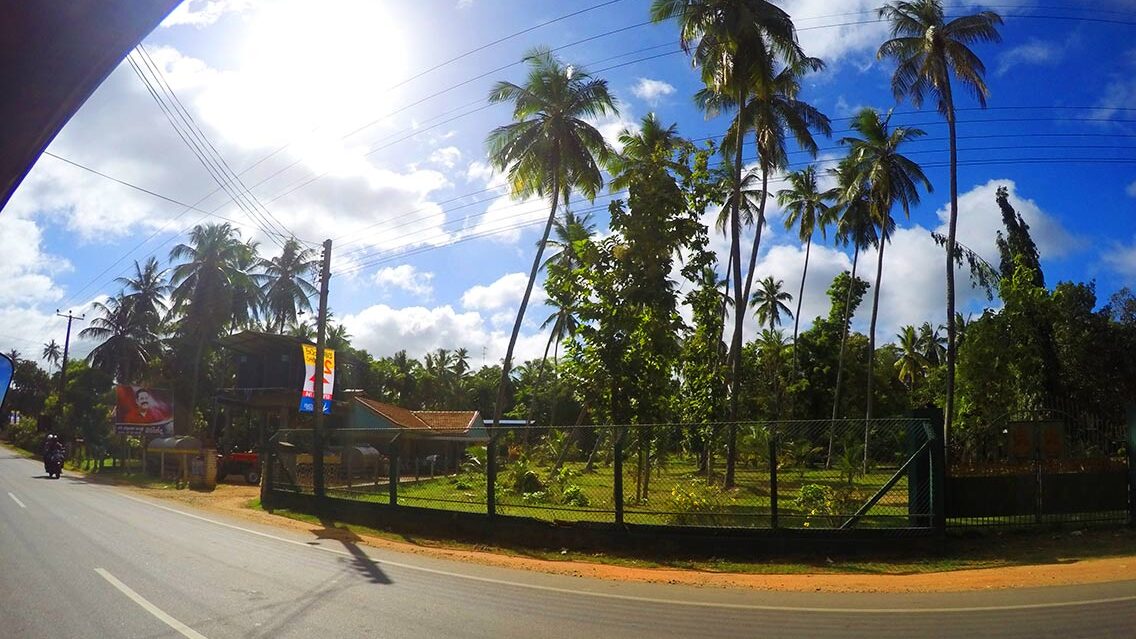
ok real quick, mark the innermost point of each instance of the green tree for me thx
(731, 43)
(911, 365)
(891, 179)
(773, 112)
(287, 290)
(768, 302)
(928, 50)
(52, 353)
(807, 208)
(549, 150)
(854, 227)
(128, 342)
(210, 281)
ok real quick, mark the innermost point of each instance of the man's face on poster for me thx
(144, 401)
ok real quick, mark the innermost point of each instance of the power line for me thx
(198, 142)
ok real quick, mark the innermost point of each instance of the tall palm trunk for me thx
(739, 301)
(872, 343)
(757, 234)
(949, 409)
(800, 298)
(506, 365)
(840, 358)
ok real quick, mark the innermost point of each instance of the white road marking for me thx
(185, 630)
(17, 500)
(651, 600)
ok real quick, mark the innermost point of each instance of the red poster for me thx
(143, 411)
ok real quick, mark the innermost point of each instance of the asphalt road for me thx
(84, 560)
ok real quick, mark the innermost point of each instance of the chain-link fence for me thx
(801, 474)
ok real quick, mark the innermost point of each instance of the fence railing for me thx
(792, 474)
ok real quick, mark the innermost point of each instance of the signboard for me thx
(308, 395)
(143, 411)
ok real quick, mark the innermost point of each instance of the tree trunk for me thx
(757, 234)
(507, 364)
(949, 410)
(739, 305)
(840, 358)
(797, 317)
(872, 343)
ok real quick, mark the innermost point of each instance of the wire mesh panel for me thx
(557, 474)
(672, 474)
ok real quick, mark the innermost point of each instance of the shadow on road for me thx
(360, 562)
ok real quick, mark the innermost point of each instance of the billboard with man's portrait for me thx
(141, 410)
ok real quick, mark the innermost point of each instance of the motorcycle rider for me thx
(50, 445)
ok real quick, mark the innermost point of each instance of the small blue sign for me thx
(307, 405)
(6, 370)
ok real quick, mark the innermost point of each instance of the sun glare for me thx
(325, 66)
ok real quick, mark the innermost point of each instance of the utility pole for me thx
(66, 347)
(317, 410)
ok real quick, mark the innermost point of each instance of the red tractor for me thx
(245, 464)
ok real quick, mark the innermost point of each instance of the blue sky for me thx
(364, 122)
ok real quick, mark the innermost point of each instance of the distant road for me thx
(85, 560)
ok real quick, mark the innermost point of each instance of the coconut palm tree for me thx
(208, 286)
(928, 50)
(808, 209)
(911, 362)
(127, 341)
(773, 112)
(768, 302)
(932, 345)
(52, 353)
(651, 143)
(287, 288)
(891, 179)
(728, 41)
(854, 226)
(147, 291)
(549, 150)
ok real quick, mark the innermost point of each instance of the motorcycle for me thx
(54, 464)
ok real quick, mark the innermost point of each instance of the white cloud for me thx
(201, 13)
(465, 4)
(650, 91)
(447, 156)
(980, 219)
(383, 331)
(407, 278)
(1121, 258)
(479, 171)
(1131, 190)
(506, 292)
(1034, 51)
(815, 20)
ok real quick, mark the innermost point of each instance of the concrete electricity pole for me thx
(318, 485)
(66, 347)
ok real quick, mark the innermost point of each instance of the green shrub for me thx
(521, 477)
(25, 435)
(573, 495)
(818, 502)
(697, 503)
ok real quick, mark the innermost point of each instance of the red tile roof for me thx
(448, 422)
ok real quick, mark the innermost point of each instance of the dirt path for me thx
(233, 500)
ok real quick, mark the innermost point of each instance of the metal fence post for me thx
(938, 473)
(1130, 447)
(617, 470)
(773, 523)
(491, 475)
(268, 462)
(392, 472)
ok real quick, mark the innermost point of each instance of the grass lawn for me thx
(677, 495)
